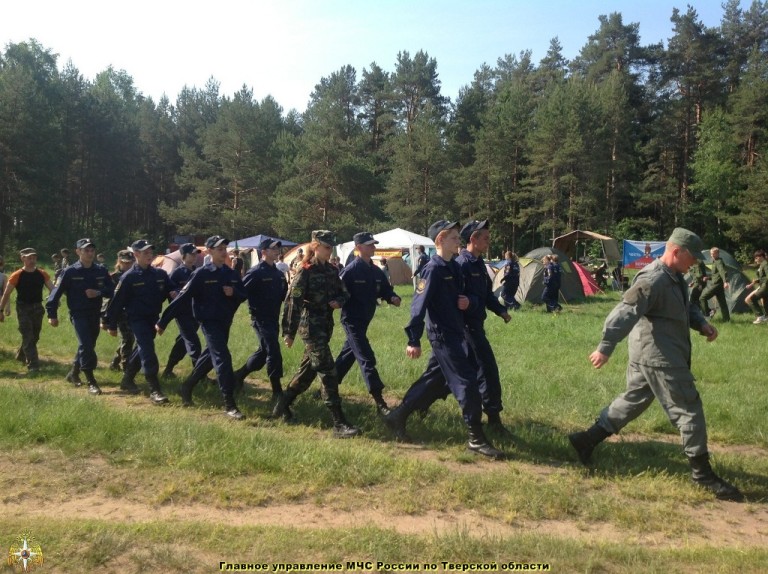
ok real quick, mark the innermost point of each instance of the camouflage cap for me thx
(687, 240)
(324, 236)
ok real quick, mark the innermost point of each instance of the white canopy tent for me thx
(394, 239)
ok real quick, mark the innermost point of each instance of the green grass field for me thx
(115, 484)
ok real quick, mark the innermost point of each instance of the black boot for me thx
(168, 373)
(73, 376)
(156, 394)
(128, 385)
(341, 428)
(115, 364)
(283, 407)
(396, 420)
(185, 391)
(93, 386)
(495, 425)
(230, 408)
(703, 475)
(585, 442)
(479, 443)
(240, 375)
(277, 388)
(381, 405)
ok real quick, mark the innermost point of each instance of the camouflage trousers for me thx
(30, 316)
(317, 361)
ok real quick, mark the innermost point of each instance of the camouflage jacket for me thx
(307, 307)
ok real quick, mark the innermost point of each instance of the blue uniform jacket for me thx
(437, 294)
(552, 278)
(366, 283)
(266, 287)
(141, 293)
(180, 277)
(73, 281)
(478, 288)
(206, 290)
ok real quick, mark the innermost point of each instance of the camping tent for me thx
(737, 290)
(532, 277)
(588, 282)
(568, 244)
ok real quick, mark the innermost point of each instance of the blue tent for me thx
(256, 239)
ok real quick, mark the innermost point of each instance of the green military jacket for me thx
(307, 307)
(698, 273)
(762, 274)
(719, 275)
(656, 314)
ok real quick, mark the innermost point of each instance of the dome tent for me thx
(532, 277)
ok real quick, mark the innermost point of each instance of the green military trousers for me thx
(676, 392)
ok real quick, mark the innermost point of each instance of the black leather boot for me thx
(496, 426)
(283, 407)
(185, 391)
(381, 405)
(585, 442)
(479, 443)
(341, 428)
(396, 420)
(156, 394)
(127, 384)
(73, 376)
(231, 410)
(115, 364)
(240, 375)
(703, 475)
(93, 386)
(277, 388)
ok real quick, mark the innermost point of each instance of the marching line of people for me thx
(451, 301)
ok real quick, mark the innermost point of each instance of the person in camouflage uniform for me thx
(315, 292)
(760, 289)
(698, 273)
(717, 283)
(125, 261)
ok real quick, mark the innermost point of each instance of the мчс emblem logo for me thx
(25, 554)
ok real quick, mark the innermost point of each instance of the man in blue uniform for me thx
(366, 284)
(187, 342)
(216, 291)
(266, 287)
(440, 297)
(85, 283)
(140, 295)
(478, 288)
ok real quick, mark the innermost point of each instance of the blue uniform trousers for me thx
(449, 363)
(216, 356)
(482, 356)
(358, 347)
(87, 329)
(143, 355)
(269, 352)
(187, 342)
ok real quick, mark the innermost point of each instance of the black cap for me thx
(364, 238)
(215, 241)
(438, 226)
(141, 245)
(471, 226)
(187, 248)
(85, 242)
(269, 243)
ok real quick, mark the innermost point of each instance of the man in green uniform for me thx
(760, 289)
(656, 314)
(699, 275)
(717, 283)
